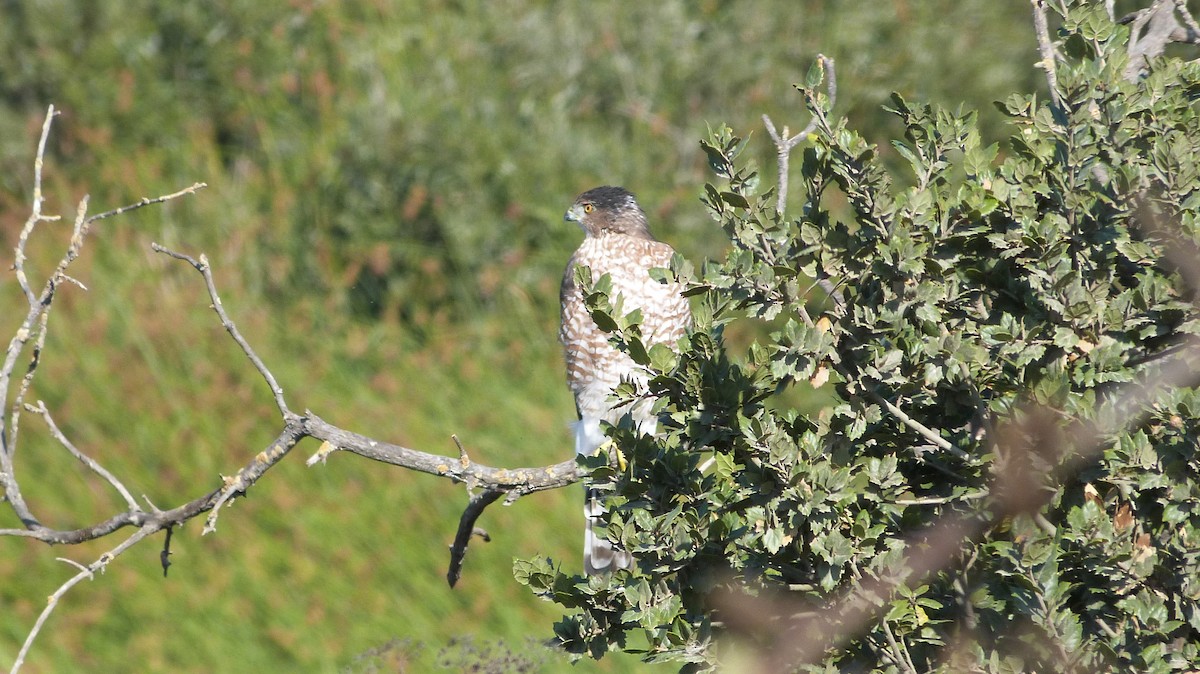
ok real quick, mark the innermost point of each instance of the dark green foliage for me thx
(978, 291)
(399, 163)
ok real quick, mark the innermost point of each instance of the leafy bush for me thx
(990, 298)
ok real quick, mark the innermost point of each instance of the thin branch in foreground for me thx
(1193, 28)
(92, 464)
(35, 215)
(205, 270)
(87, 573)
(1152, 29)
(784, 144)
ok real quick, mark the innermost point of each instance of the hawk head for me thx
(608, 210)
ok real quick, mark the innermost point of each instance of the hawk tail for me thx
(599, 554)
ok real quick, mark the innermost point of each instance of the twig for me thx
(785, 143)
(86, 574)
(249, 474)
(925, 432)
(1049, 61)
(35, 359)
(205, 270)
(9, 488)
(1044, 524)
(941, 500)
(164, 557)
(35, 215)
(73, 563)
(899, 655)
(466, 529)
(147, 201)
(88, 461)
(321, 454)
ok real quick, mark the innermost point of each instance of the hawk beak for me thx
(572, 214)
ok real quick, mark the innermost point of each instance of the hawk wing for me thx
(595, 367)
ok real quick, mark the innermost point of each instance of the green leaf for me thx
(815, 75)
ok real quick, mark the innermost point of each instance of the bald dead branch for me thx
(28, 342)
(785, 143)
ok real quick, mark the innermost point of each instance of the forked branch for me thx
(784, 143)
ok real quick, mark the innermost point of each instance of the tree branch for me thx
(785, 143)
(1152, 29)
(1049, 62)
(35, 216)
(518, 481)
(467, 529)
(496, 482)
(88, 572)
(205, 270)
(88, 461)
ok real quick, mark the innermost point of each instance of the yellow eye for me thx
(588, 208)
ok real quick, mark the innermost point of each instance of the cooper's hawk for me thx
(616, 242)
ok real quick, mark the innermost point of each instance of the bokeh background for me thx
(384, 215)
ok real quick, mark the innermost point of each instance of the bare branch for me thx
(73, 563)
(205, 270)
(1189, 21)
(147, 201)
(35, 215)
(164, 557)
(940, 500)
(1049, 62)
(924, 431)
(928, 433)
(35, 322)
(1152, 29)
(249, 474)
(88, 461)
(467, 529)
(87, 573)
(35, 359)
(785, 143)
(518, 481)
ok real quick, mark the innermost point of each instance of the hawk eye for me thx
(588, 208)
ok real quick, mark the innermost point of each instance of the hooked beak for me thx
(573, 214)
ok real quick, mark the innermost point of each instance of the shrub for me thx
(990, 305)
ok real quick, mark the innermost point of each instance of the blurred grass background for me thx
(386, 185)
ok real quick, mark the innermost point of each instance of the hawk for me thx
(616, 242)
